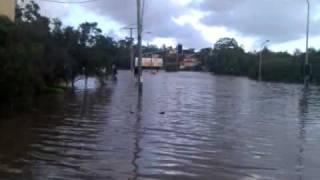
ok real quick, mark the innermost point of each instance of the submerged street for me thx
(185, 125)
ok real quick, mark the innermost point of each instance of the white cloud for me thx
(199, 23)
(164, 41)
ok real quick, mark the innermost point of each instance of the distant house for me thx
(190, 61)
(172, 51)
(181, 59)
(188, 52)
(172, 60)
(7, 8)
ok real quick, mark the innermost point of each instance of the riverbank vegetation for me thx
(228, 58)
(39, 54)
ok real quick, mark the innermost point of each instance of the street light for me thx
(307, 66)
(260, 58)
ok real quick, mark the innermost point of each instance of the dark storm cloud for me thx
(158, 19)
(184, 34)
(279, 21)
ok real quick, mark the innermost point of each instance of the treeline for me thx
(228, 58)
(37, 53)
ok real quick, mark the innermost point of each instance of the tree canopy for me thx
(227, 57)
(37, 52)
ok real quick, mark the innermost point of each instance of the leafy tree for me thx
(37, 53)
(122, 57)
(226, 57)
(226, 43)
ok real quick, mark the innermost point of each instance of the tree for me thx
(226, 43)
(297, 52)
(71, 41)
(37, 53)
(227, 57)
(122, 57)
(87, 39)
(204, 55)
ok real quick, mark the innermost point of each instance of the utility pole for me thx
(139, 26)
(179, 52)
(177, 60)
(307, 68)
(260, 65)
(260, 59)
(132, 62)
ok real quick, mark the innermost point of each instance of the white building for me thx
(154, 62)
(7, 8)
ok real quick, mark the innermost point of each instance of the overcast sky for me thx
(200, 23)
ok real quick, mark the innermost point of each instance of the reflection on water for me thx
(182, 126)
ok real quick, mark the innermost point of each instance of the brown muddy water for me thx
(183, 126)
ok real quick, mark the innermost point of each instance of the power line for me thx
(69, 2)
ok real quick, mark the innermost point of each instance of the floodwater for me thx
(183, 126)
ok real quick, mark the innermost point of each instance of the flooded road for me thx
(184, 126)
